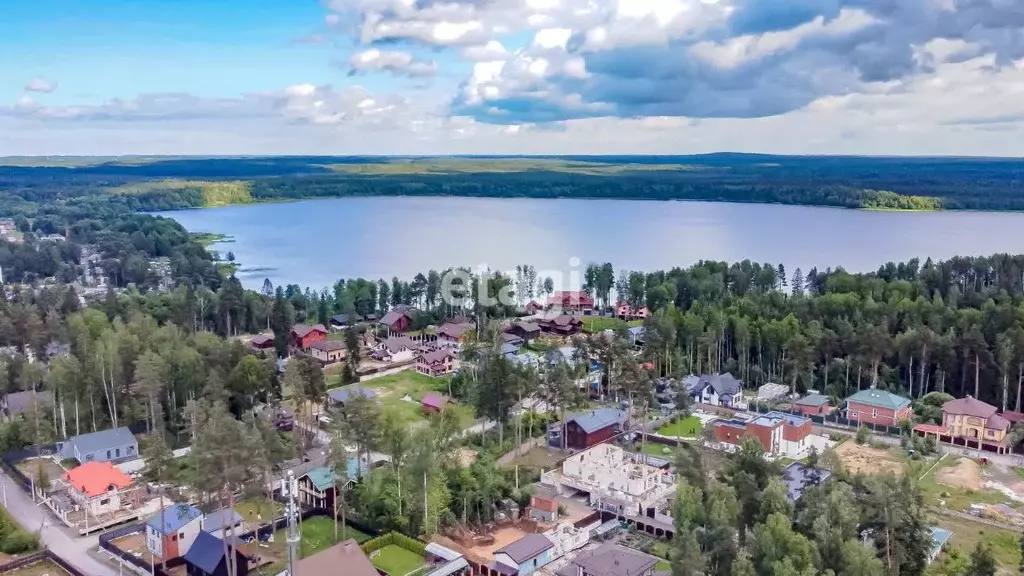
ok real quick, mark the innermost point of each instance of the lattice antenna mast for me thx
(290, 489)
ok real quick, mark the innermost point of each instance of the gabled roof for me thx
(799, 476)
(172, 518)
(436, 356)
(19, 402)
(343, 318)
(527, 547)
(527, 326)
(969, 407)
(435, 400)
(598, 419)
(303, 330)
(454, 330)
(722, 383)
(102, 440)
(261, 339)
(879, 399)
(392, 317)
(222, 518)
(610, 560)
(328, 345)
(347, 558)
(997, 422)
(322, 477)
(207, 552)
(637, 331)
(509, 349)
(95, 478)
(815, 400)
(397, 343)
(345, 393)
(509, 337)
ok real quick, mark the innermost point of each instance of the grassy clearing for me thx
(966, 535)
(213, 193)
(958, 499)
(253, 510)
(539, 457)
(397, 561)
(689, 427)
(659, 450)
(594, 324)
(393, 388)
(209, 238)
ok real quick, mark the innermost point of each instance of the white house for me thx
(395, 349)
(97, 487)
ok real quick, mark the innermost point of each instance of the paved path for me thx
(38, 519)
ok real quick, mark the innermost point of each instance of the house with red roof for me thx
(455, 332)
(98, 487)
(303, 335)
(434, 403)
(561, 325)
(565, 300)
(437, 362)
(399, 320)
(973, 423)
(262, 342)
(626, 312)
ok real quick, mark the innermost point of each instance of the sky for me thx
(434, 77)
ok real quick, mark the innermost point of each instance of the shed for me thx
(206, 557)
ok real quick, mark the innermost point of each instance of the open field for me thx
(539, 457)
(950, 484)
(397, 561)
(689, 427)
(659, 450)
(43, 568)
(392, 390)
(857, 458)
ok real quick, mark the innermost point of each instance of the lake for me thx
(316, 242)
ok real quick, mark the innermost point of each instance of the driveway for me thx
(36, 519)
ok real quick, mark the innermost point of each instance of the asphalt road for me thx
(35, 519)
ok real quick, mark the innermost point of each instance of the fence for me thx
(43, 555)
(10, 460)
(107, 538)
(835, 419)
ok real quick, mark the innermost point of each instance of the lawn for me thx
(392, 388)
(42, 568)
(659, 450)
(259, 510)
(317, 534)
(688, 427)
(966, 535)
(396, 561)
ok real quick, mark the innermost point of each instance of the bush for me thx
(862, 435)
(19, 542)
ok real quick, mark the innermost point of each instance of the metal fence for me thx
(43, 555)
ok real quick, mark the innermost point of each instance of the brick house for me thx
(437, 362)
(397, 321)
(303, 335)
(813, 405)
(878, 407)
(778, 433)
(328, 351)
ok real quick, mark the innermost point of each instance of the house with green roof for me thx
(316, 488)
(878, 407)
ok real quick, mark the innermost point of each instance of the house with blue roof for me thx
(589, 428)
(346, 393)
(171, 531)
(206, 557)
(940, 536)
(114, 445)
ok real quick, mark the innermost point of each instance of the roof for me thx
(206, 552)
(345, 393)
(19, 402)
(509, 337)
(527, 547)
(598, 419)
(527, 326)
(969, 407)
(790, 419)
(815, 400)
(436, 549)
(939, 537)
(396, 343)
(172, 518)
(722, 383)
(261, 339)
(95, 478)
(526, 359)
(637, 331)
(772, 391)
(453, 330)
(303, 330)
(342, 318)
(347, 556)
(997, 422)
(328, 345)
(357, 467)
(392, 317)
(545, 503)
(1013, 416)
(610, 560)
(223, 518)
(435, 400)
(436, 356)
(322, 477)
(508, 349)
(450, 567)
(879, 399)
(799, 476)
(102, 440)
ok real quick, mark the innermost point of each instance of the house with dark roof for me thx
(395, 349)
(610, 560)
(328, 351)
(524, 556)
(878, 407)
(779, 433)
(346, 393)
(114, 445)
(525, 330)
(561, 325)
(17, 403)
(971, 422)
(343, 321)
(345, 558)
(510, 338)
(206, 557)
(590, 428)
(221, 522)
(454, 332)
(798, 477)
(171, 531)
(719, 390)
(262, 342)
(813, 405)
(398, 321)
(302, 335)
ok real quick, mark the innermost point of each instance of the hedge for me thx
(401, 540)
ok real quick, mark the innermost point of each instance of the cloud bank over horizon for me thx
(914, 77)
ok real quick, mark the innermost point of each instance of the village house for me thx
(398, 321)
(112, 445)
(17, 403)
(878, 407)
(457, 333)
(346, 557)
(434, 404)
(222, 522)
(577, 301)
(610, 559)
(395, 350)
(512, 339)
(343, 321)
(719, 390)
(561, 325)
(585, 430)
(778, 433)
(171, 531)
(437, 363)
(526, 330)
(328, 351)
(206, 557)
(543, 508)
(813, 405)
(532, 307)
(626, 312)
(302, 335)
(524, 556)
(99, 488)
(262, 342)
(316, 488)
(970, 422)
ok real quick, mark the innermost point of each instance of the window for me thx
(874, 412)
(105, 501)
(174, 537)
(108, 454)
(117, 452)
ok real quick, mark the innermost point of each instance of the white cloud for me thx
(40, 85)
(395, 61)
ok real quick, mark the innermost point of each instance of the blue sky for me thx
(510, 76)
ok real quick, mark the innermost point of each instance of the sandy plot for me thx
(465, 456)
(857, 459)
(502, 537)
(966, 475)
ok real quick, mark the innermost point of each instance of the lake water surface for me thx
(315, 242)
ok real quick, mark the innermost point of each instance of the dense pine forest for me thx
(852, 182)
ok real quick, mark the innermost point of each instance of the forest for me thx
(151, 184)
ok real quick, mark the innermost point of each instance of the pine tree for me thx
(798, 283)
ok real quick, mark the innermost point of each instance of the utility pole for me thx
(291, 489)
